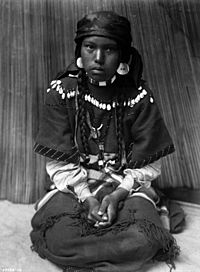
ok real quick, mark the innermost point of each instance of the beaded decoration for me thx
(102, 83)
(57, 85)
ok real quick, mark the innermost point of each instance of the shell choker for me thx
(71, 93)
(101, 83)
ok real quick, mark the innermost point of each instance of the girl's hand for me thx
(109, 206)
(93, 209)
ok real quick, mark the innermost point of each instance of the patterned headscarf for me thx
(106, 24)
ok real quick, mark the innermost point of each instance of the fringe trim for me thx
(77, 269)
(169, 248)
(50, 221)
(88, 229)
(80, 221)
(169, 251)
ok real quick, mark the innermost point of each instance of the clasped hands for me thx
(103, 214)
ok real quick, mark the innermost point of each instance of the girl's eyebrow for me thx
(111, 44)
(89, 42)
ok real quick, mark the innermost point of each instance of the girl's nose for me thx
(99, 57)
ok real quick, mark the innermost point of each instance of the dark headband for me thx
(105, 24)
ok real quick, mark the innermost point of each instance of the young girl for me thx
(104, 138)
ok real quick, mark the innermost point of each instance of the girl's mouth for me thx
(97, 68)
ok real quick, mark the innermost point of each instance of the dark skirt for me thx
(62, 234)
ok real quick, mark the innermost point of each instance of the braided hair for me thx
(134, 76)
(119, 115)
(82, 110)
(82, 87)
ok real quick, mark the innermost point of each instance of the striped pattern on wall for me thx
(37, 41)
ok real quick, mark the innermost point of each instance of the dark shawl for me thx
(145, 134)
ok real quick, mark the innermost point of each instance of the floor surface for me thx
(16, 255)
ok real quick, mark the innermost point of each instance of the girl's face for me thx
(100, 56)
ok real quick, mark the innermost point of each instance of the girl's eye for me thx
(108, 49)
(111, 49)
(89, 46)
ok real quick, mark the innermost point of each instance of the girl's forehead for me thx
(100, 40)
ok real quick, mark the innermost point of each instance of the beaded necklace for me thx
(98, 134)
(71, 93)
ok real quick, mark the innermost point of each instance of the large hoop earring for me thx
(123, 69)
(79, 63)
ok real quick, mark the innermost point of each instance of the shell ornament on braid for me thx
(56, 85)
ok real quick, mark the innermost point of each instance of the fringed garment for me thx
(61, 232)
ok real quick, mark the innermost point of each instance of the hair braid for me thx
(119, 121)
(82, 86)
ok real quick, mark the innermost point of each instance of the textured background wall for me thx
(36, 42)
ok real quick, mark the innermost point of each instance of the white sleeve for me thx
(69, 175)
(143, 175)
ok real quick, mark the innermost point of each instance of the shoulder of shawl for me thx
(139, 96)
(60, 90)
